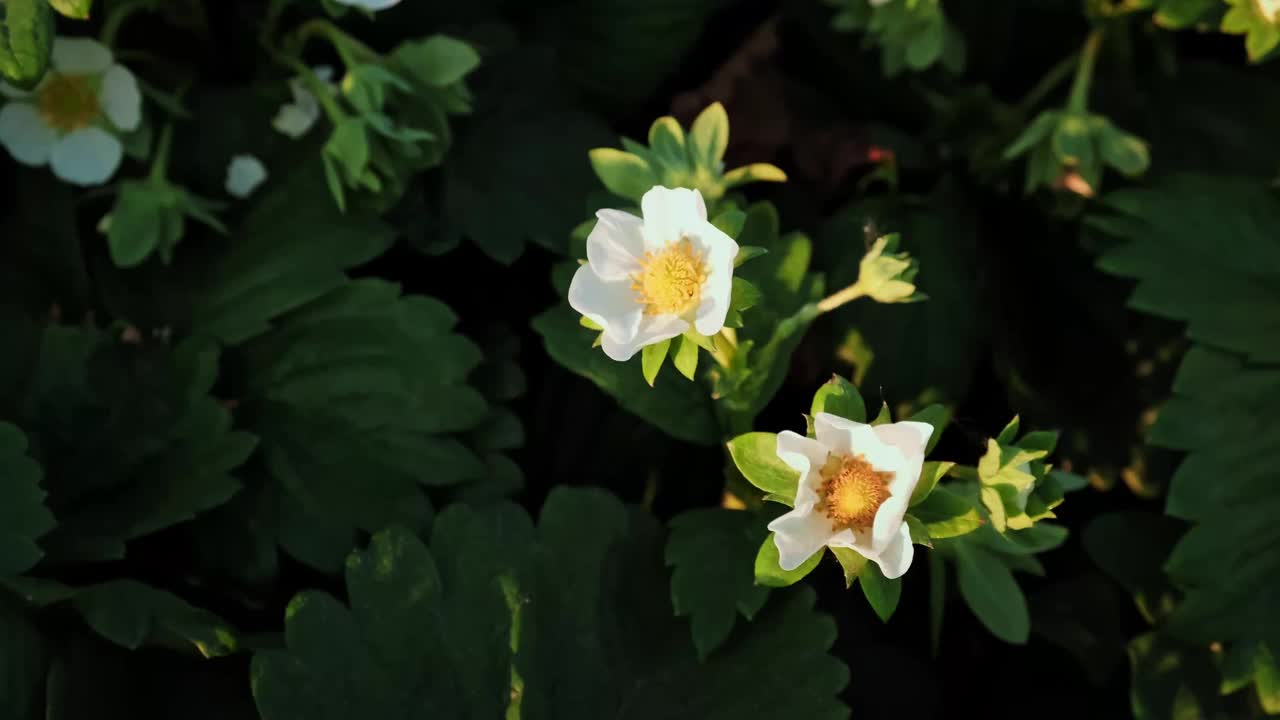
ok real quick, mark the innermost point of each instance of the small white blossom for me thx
(649, 280)
(855, 485)
(244, 174)
(72, 120)
(370, 5)
(296, 118)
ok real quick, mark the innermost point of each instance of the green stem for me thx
(160, 164)
(726, 346)
(1048, 83)
(1079, 99)
(352, 51)
(835, 300)
(964, 472)
(117, 16)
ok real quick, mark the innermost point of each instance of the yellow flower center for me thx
(852, 491)
(670, 280)
(68, 102)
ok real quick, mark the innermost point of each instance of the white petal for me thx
(799, 452)
(120, 98)
(897, 555)
(25, 134)
(615, 245)
(80, 56)
(888, 522)
(805, 456)
(845, 436)
(720, 250)
(910, 438)
(244, 174)
(799, 534)
(86, 157)
(837, 433)
(295, 119)
(611, 305)
(653, 329)
(670, 214)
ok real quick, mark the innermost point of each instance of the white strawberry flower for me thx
(855, 485)
(244, 174)
(651, 279)
(72, 120)
(296, 118)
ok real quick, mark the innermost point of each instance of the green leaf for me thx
(756, 457)
(26, 42)
(651, 359)
(438, 60)
(291, 248)
(1123, 152)
(990, 591)
(930, 474)
(884, 416)
(744, 295)
(672, 408)
(919, 533)
(1038, 130)
(1042, 440)
(624, 174)
(149, 217)
(946, 514)
(1226, 387)
(755, 172)
(770, 574)
(1162, 248)
(23, 515)
(74, 9)
(730, 222)
(131, 438)
(839, 397)
(1181, 14)
(500, 617)
(363, 382)
(685, 356)
(1267, 681)
(881, 593)
(131, 615)
(711, 552)
(666, 142)
(747, 252)
(851, 562)
(1009, 434)
(708, 138)
(936, 415)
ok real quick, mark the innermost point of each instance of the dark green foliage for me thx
(565, 620)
